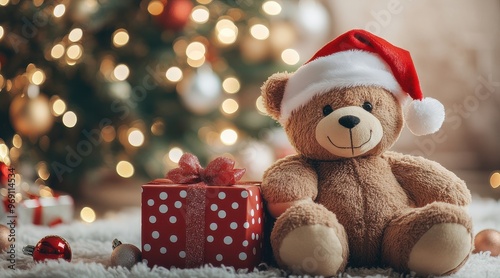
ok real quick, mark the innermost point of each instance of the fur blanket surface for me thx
(92, 247)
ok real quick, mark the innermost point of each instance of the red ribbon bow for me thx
(220, 171)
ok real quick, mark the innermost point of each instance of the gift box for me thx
(187, 221)
(48, 211)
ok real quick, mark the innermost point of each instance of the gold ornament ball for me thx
(487, 240)
(31, 116)
(4, 238)
(126, 255)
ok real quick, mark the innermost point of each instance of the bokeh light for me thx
(59, 10)
(88, 214)
(4, 150)
(135, 137)
(74, 52)
(58, 107)
(271, 7)
(75, 35)
(121, 72)
(229, 106)
(57, 51)
(108, 133)
(195, 50)
(125, 169)
(495, 180)
(227, 32)
(174, 74)
(229, 136)
(155, 7)
(120, 37)
(290, 56)
(45, 191)
(231, 85)
(69, 119)
(43, 170)
(175, 154)
(17, 141)
(259, 31)
(259, 104)
(196, 63)
(37, 77)
(200, 14)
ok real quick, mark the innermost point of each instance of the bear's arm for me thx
(289, 181)
(427, 181)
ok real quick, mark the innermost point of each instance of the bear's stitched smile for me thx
(352, 144)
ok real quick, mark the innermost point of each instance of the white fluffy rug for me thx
(91, 245)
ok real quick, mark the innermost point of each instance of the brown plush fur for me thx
(381, 203)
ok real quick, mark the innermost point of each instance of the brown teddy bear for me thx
(344, 199)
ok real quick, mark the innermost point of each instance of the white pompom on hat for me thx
(359, 58)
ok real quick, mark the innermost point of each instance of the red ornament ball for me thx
(175, 14)
(4, 173)
(4, 238)
(487, 240)
(49, 248)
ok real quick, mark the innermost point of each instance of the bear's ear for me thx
(272, 93)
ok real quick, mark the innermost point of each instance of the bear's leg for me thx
(308, 239)
(432, 240)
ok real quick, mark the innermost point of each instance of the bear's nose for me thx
(349, 121)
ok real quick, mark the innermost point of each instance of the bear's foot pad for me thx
(440, 250)
(312, 249)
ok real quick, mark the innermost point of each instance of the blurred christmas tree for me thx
(129, 85)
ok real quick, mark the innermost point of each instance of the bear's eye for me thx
(367, 106)
(327, 110)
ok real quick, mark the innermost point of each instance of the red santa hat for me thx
(359, 58)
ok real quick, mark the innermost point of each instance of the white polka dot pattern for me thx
(152, 219)
(163, 209)
(214, 207)
(155, 234)
(163, 196)
(233, 225)
(183, 194)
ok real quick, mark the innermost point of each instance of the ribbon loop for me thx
(220, 171)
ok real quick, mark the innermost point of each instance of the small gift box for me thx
(48, 211)
(202, 216)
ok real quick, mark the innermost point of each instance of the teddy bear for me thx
(345, 199)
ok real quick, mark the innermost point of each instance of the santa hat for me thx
(359, 58)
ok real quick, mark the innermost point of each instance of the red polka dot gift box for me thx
(202, 216)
